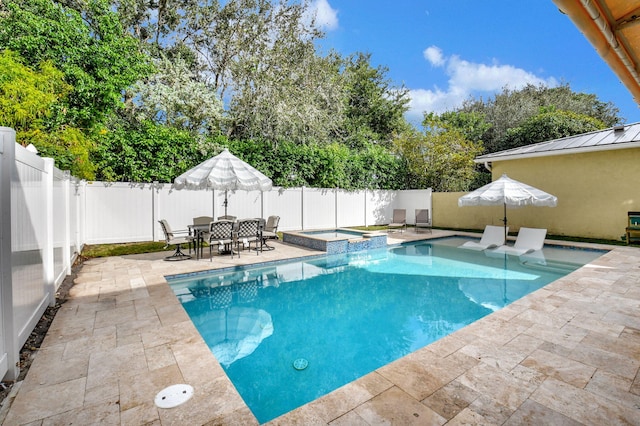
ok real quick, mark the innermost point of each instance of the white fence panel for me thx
(179, 208)
(29, 213)
(318, 208)
(414, 199)
(125, 212)
(351, 208)
(35, 243)
(380, 206)
(74, 219)
(286, 203)
(241, 204)
(118, 212)
(80, 222)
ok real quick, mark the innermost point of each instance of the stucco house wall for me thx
(595, 191)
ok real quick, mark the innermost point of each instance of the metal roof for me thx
(619, 137)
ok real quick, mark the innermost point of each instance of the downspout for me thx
(487, 165)
(589, 19)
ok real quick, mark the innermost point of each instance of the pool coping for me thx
(124, 336)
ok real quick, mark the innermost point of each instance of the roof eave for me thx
(488, 158)
(601, 38)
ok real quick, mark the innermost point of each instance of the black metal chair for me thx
(248, 231)
(221, 234)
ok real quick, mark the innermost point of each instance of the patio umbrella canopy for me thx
(225, 172)
(509, 193)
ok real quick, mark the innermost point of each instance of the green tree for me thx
(550, 124)
(98, 59)
(511, 108)
(281, 88)
(176, 97)
(27, 97)
(374, 107)
(441, 158)
(27, 101)
(146, 153)
(472, 125)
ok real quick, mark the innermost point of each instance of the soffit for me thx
(613, 28)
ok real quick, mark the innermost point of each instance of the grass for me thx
(121, 249)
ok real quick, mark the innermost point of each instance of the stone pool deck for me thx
(567, 354)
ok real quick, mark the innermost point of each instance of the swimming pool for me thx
(350, 314)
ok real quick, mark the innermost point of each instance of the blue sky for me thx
(447, 50)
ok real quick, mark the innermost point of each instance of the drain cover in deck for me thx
(173, 396)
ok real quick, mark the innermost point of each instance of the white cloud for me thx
(326, 16)
(465, 79)
(433, 54)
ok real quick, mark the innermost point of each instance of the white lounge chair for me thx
(493, 236)
(528, 240)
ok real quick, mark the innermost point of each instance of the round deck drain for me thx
(300, 364)
(173, 396)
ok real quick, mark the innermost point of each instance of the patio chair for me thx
(172, 239)
(270, 232)
(492, 237)
(422, 219)
(527, 241)
(200, 230)
(202, 220)
(221, 234)
(248, 231)
(399, 220)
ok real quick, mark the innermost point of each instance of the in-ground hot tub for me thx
(335, 241)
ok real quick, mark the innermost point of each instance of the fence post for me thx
(66, 253)
(47, 247)
(302, 206)
(9, 355)
(155, 186)
(335, 206)
(365, 208)
(81, 209)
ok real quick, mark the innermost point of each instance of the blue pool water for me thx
(347, 315)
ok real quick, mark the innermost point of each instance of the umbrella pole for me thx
(505, 223)
(225, 202)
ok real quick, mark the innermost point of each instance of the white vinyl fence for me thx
(47, 216)
(39, 239)
(128, 212)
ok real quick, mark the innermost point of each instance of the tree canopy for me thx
(511, 108)
(141, 90)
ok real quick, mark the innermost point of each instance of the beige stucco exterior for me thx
(595, 191)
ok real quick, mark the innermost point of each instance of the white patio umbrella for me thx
(225, 172)
(510, 193)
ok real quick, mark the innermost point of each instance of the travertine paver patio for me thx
(568, 353)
